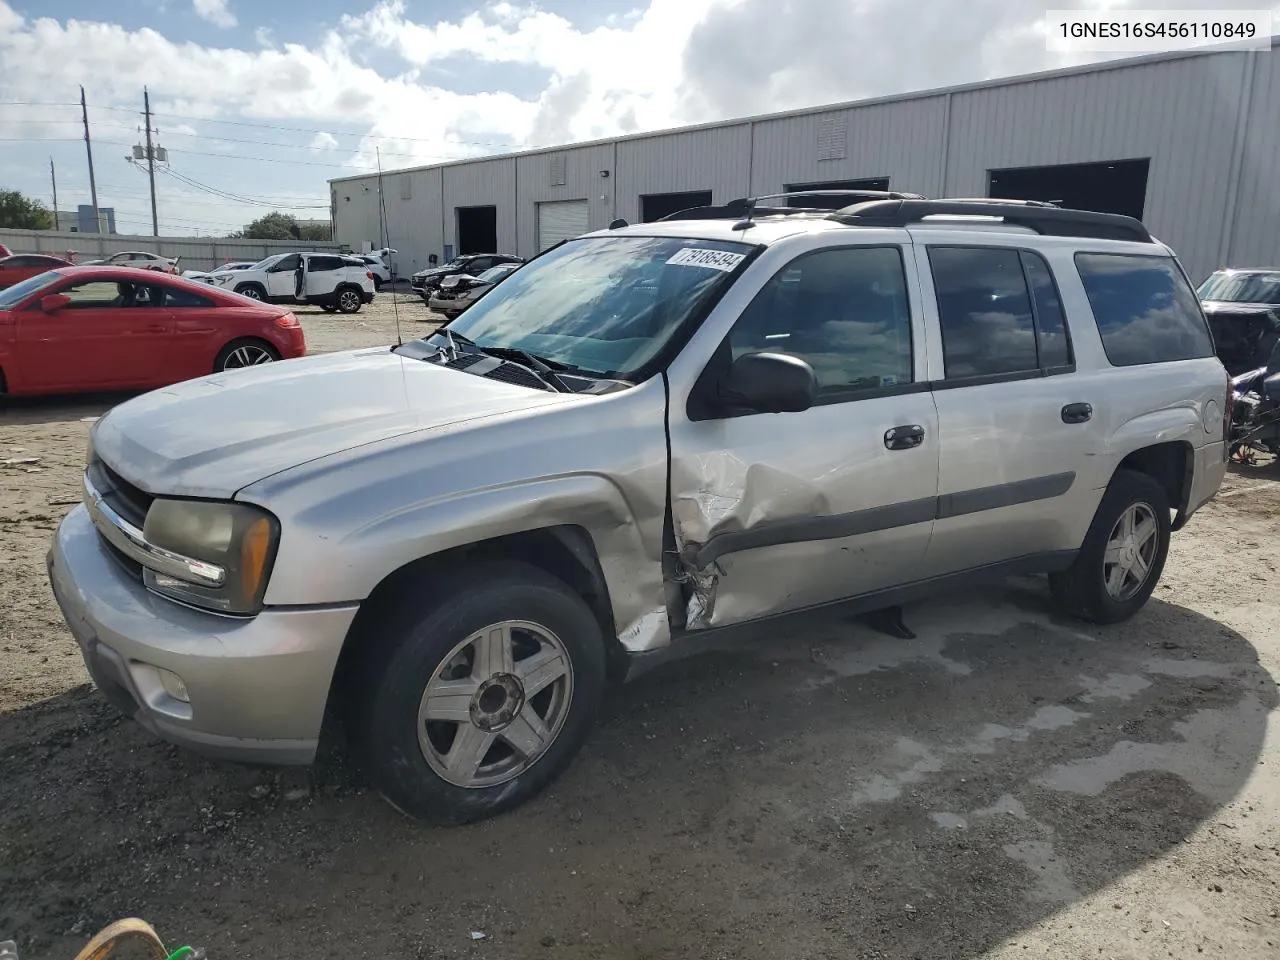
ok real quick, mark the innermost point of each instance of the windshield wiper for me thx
(544, 369)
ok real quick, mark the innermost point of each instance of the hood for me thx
(215, 435)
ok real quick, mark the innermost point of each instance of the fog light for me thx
(173, 685)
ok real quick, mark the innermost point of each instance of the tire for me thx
(1083, 590)
(419, 647)
(245, 352)
(253, 291)
(348, 300)
(328, 309)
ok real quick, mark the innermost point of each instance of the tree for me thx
(21, 213)
(313, 231)
(273, 226)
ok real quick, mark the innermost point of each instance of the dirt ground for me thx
(1007, 785)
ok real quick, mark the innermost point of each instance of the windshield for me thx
(264, 264)
(14, 295)
(604, 305)
(1241, 288)
(495, 273)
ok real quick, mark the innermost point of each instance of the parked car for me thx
(1233, 285)
(459, 292)
(15, 269)
(425, 282)
(116, 328)
(139, 259)
(330, 281)
(204, 275)
(380, 269)
(643, 436)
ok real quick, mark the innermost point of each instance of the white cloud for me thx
(216, 12)
(324, 141)
(264, 37)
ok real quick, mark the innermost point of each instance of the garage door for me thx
(560, 220)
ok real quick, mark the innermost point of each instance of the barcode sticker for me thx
(712, 259)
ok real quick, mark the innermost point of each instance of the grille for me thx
(122, 496)
(465, 360)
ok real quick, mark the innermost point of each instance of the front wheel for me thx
(1123, 553)
(470, 706)
(348, 300)
(251, 290)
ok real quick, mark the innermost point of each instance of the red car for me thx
(118, 328)
(15, 269)
(5, 251)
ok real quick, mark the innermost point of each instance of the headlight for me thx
(233, 544)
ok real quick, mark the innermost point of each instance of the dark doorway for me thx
(1116, 186)
(832, 203)
(478, 230)
(655, 206)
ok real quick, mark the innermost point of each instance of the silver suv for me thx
(642, 437)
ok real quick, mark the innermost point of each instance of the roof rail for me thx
(1045, 219)
(745, 208)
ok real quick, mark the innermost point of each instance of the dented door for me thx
(777, 512)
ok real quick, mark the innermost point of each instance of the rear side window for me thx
(999, 311)
(177, 297)
(322, 264)
(1145, 309)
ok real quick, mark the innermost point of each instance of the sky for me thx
(260, 104)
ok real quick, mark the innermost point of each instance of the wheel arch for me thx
(566, 551)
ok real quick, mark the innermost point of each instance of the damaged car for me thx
(645, 437)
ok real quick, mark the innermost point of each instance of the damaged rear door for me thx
(779, 511)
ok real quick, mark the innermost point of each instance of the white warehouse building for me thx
(1189, 142)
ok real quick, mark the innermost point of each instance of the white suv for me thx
(330, 281)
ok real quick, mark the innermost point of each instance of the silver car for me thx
(643, 437)
(457, 293)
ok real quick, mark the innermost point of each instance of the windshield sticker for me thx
(712, 259)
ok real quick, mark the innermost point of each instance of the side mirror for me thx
(770, 383)
(54, 301)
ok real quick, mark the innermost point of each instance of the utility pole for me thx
(151, 163)
(54, 177)
(88, 149)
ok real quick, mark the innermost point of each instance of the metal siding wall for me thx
(902, 141)
(357, 219)
(717, 160)
(1181, 114)
(480, 184)
(582, 182)
(1255, 241)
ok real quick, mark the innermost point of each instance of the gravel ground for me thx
(1007, 785)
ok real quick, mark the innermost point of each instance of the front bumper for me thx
(256, 688)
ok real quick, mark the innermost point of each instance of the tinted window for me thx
(291, 262)
(1241, 287)
(479, 264)
(99, 294)
(1145, 309)
(1051, 324)
(178, 297)
(845, 311)
(984, 310)
(322, 264)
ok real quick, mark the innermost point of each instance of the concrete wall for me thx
(196, 253)
(1209, 122)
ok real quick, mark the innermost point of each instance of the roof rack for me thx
(746, 208)
(1043, 218)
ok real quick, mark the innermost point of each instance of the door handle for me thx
(1077, 413)
(157, 328)
(905, 437)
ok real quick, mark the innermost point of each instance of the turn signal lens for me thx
(254, 550)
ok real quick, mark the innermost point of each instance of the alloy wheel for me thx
(247, 356)
(1131, 551)
(495, 704)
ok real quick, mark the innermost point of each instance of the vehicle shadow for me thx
(823, 791)
(59, 409)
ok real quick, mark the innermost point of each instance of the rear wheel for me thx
(349, 300)
(1123, 553)
(469, 705)
(245, 352)
(252, 290)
